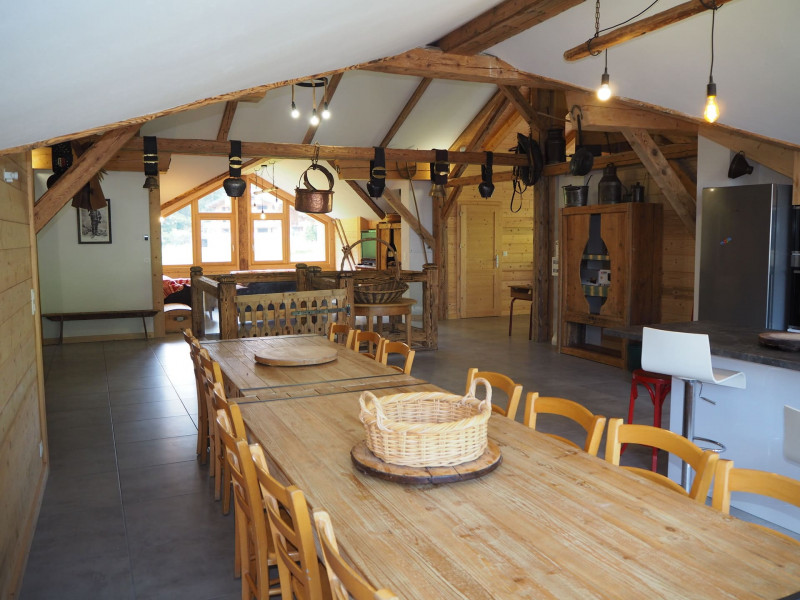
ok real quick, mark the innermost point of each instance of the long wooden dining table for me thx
(551, 522)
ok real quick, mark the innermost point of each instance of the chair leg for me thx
(631, 405)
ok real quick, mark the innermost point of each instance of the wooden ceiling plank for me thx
(777, 157)
(312, 129)
(366, 198)
(597, 115)
(640, 28)
(500, 23)
(682, 202)
(401, 118)
(307, 151)
(620, 159)
(407, 216)
(54, 199)
(227, 120)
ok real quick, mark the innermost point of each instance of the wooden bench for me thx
(101, 314)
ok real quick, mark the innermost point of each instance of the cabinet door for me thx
(574, 237)
(615, 232)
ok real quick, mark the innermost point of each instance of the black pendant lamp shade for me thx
(486, 187)
(439, 171)
(377, 174)
(150, 159)
(739, 166)
(61, 161)
(235, 185)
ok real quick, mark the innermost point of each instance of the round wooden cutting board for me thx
(288, 357)
(780, 340)
(366, 462)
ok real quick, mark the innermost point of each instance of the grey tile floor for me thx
(129, 513)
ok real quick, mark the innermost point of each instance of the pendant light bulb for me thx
(326, 114)
(263, 216)
(295, 112)
(604, 91)
(314, 120)
(711, 112)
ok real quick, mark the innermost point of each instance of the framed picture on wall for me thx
(94, 226)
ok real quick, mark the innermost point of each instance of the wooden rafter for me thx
(87, 165)
(366, 198)
(312, 129)
(78, 148)
(612, 114)
(307, 151)
(640, 28)
(227, 120)
(683, 203)
(401, 118)
(524, 108)
(500, 23)
(407, 216)
(778, 157)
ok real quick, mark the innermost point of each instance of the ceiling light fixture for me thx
(711, 112)
(604, 91)
(313, 84)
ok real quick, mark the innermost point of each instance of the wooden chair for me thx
(215, 400)
(293, 537)
(387, 347)
(502, 382)
(341, 331)
(591, 423)
(728, 479)
(372, 339)
(202, 413)
(254, 552)
(702, 461)
(344, 581)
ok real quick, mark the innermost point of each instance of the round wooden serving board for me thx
(366, 462)
(288, 357)
(780, 340)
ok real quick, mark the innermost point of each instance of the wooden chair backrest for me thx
(729, 479)
(344, 581)
(703, 462)
(591, 423)
(502, 382)
(341, 331)
(388, 347)
(372, 339)
(293, 537)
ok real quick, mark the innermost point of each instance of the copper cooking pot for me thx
(310, 199)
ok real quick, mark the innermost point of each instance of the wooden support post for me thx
(301, 272)
(430, 302)
(198, 317)
(439, 253)
(228, 328)
(542, 250)
(154, 200)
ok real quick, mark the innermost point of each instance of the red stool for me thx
(658, 386)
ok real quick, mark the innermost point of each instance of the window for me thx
(176, 238)
(207, 232)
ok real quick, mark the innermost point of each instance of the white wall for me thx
(713, 161)
(77, 277)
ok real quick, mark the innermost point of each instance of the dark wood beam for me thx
(227, 120)
(640, 28)
(401, 118)
(366, 198)
(500, 23)
(312, 129)
(78, 175)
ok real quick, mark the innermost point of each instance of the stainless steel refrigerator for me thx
(744, 255)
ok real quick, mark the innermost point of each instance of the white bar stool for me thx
(686, 356)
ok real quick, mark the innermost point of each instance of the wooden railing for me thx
(290, 312)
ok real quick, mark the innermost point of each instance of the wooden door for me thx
(479, 272)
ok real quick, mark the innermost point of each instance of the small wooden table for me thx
(521, 292)
(389, 309)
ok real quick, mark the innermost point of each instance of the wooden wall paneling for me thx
(24, 466)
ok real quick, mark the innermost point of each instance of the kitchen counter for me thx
(727, 341)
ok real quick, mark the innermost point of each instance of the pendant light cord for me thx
(598, 31)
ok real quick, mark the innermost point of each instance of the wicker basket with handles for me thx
(376, 288)
(427, 429)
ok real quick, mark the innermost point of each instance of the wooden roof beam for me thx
(501, 22)
(682, 202)
(227, 120)
(640, 28)
(401, 118)
(610, 115)
(366, 198)
(407, 216)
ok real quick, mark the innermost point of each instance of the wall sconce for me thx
(313, 84)
(739, 166)
(235, 185)
(150, 159)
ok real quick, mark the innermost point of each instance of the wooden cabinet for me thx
(389, 233)
(610, 268)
